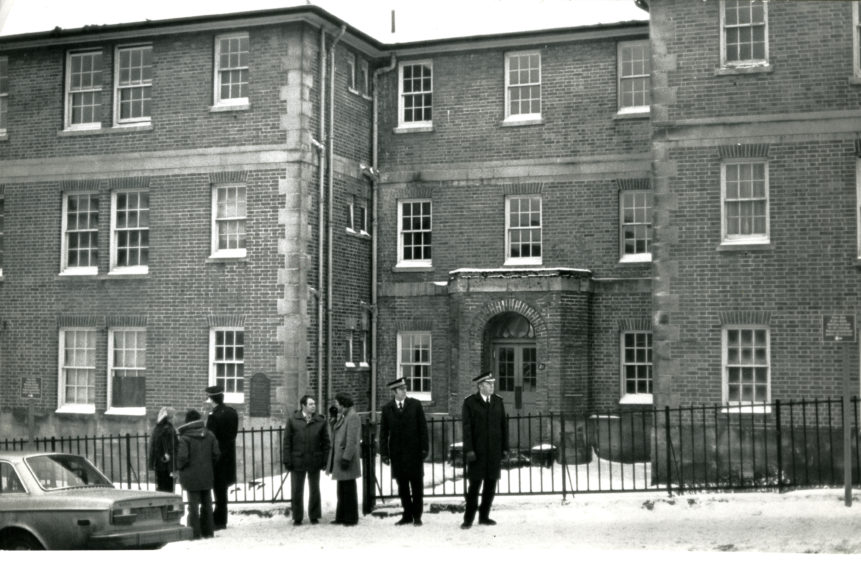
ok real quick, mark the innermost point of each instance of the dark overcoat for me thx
(306, 445)
(224, 424)
(162, 442)
(485, 433)
(196, 457)
(404, 438)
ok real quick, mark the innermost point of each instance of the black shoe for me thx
(315, 521)
(417, 522)
(353, 524)
(486, 522)
(404, 521)
(297, 523)
(336, 522)
(466, 525)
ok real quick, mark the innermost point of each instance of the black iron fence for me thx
(772, 446)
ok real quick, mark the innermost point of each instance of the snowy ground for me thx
(651, 524)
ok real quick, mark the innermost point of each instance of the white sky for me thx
(415, 19)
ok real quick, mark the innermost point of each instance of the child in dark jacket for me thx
(198, 453)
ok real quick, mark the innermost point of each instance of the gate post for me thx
(669, 439)
(369, 456)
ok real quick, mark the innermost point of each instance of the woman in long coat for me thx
(162, 450)
(345, 459)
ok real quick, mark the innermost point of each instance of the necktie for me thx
(400, 406)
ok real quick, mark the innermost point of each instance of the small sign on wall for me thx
(31, 387)
(838, 327)
(259, 405)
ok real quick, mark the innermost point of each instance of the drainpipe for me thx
(374, 179)
(318, 143)
(331, 162)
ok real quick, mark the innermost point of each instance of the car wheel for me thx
(20, 540)
(153, 546)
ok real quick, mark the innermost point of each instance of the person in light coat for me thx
(162, 451)
(345, 459)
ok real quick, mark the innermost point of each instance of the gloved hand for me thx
(345, 464)
(470, 457)
(165, 457)
(386, 460)
(424, 454)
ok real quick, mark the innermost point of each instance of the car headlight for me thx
(123, 516)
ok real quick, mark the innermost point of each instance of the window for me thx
(636, 367)
(523, 230)
(4, 93)
(2, 231)
(634, 71)
(357, 349)
(130, 232)
(414, 233)
(231, 69)
(636, 225)
(84, 90)
(746, 370)
(364, 78)
(856, 39)
(227, 362)
(358, 217)
(745, 202)
(80, 234)
(523, 86)
(133, 93)
(10, 483)
(127, 370)
(77, 379)
(744, 33)
(416, 94)
(351, 71)
(414, 363)
(228, 221)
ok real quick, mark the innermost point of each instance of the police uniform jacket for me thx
(224, 424)
(404, 437)
(485, 433)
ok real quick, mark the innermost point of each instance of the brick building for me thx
(755, 139)
(193, 201)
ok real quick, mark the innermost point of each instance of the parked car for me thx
(62, 501)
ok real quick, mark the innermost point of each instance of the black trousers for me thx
(487, 494)
(200, 514)
(297, 494)
(347, 509)
(164, 481)
(219, 514)
(411, 492)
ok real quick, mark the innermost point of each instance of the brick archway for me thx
(492, 309)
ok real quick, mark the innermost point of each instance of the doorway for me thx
(515, 361)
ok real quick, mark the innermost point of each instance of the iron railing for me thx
(772, 446)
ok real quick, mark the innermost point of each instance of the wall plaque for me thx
(31, 387)
(838, 327)
(259, 404)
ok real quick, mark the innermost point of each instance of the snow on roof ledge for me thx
(520, 272)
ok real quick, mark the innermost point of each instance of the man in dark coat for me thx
(196, 458)
(404, 444)
(305, 452)
(485, 442)
(224, 424)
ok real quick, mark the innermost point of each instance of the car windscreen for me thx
(58, 471)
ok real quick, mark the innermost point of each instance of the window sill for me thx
(129, 271)
(218, 259)
(645, 258)
(88, 409)
(412, 268)
(855, 80)
(521, 122)
(241, 107)
(234, 398)
(521, 262)
(747, 69)
(362, 366)
(105, 130)
(79, 272)
(412, 129)
(360, 94)
(359, 234)
(636, 399)
(127, 411)
(4, 136)
(421, 396)
(633, 113)
(747, 409)
(741, 247)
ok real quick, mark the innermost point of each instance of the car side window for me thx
(9, 481)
